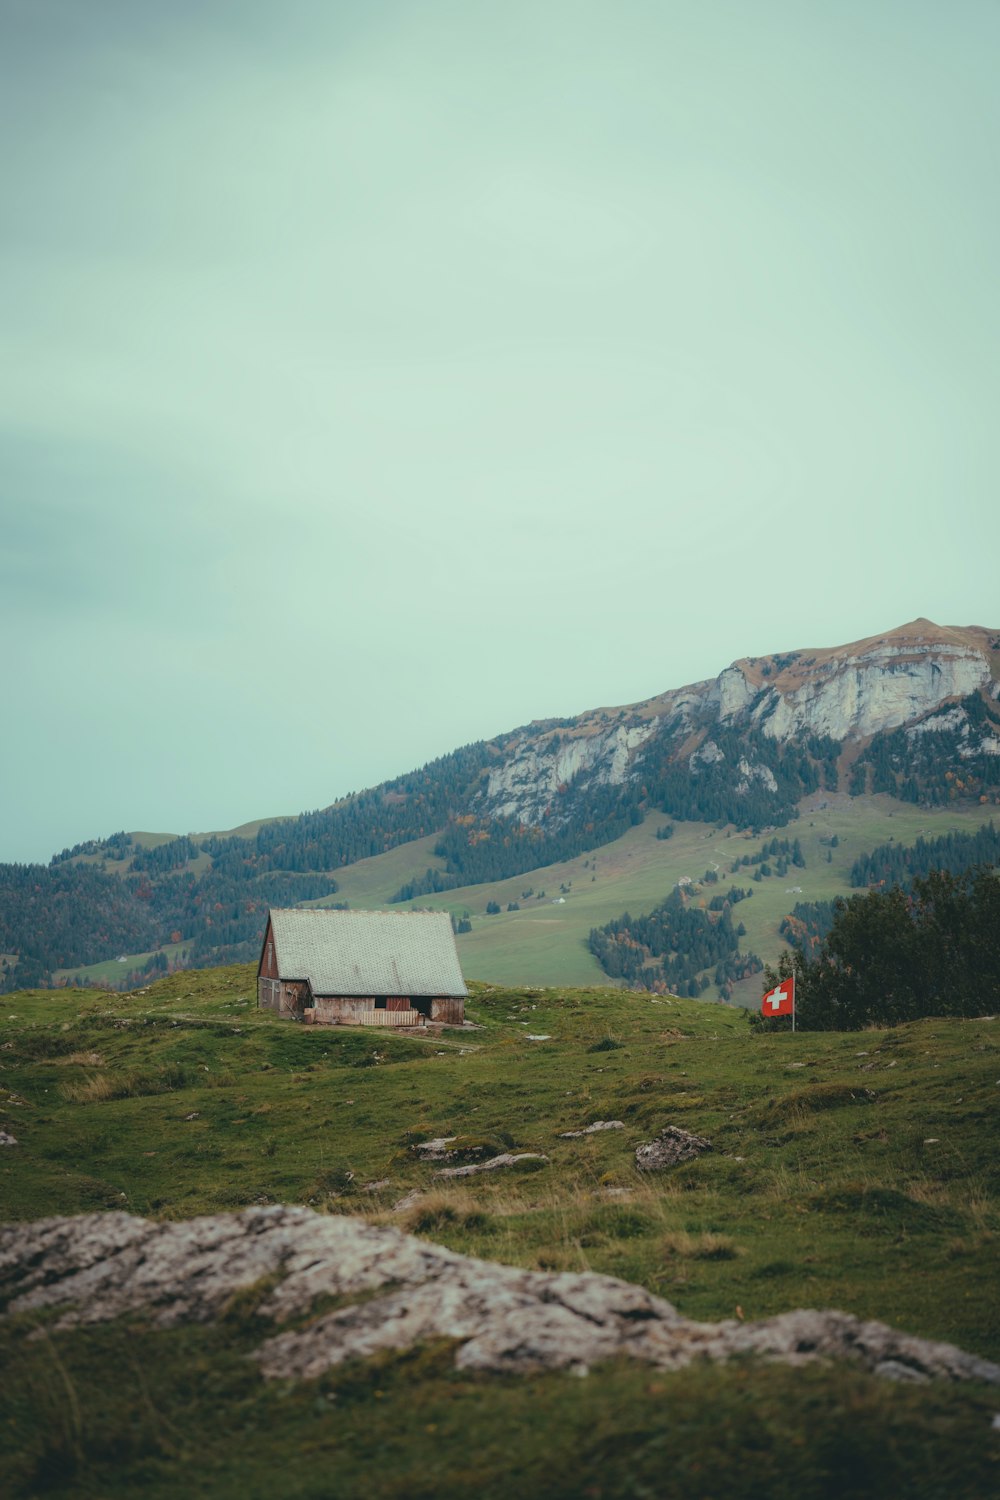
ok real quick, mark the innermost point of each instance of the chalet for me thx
(369, 968)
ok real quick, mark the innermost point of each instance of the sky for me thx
(379, 375)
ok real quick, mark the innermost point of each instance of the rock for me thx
(572, 1135)
(495, 1163)
(530, 779)
(452, 1148)
(6, 1139)
(407, 1201)
(103, 1266)
(436, 1150)
(376, 1187)
(671, 1146)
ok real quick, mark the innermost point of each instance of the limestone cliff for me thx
(921, 678)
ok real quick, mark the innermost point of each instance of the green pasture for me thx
(110, 970)
(546, 942)
(369, 883)
(857, 1171)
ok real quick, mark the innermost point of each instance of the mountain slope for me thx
(913, 713)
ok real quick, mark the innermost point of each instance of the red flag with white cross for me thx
(781, 1000)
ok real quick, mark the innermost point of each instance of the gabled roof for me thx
(368, 952)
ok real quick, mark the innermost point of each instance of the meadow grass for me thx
(545, 942)
(856, 1171)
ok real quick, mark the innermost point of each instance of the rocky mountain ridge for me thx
(916, 676)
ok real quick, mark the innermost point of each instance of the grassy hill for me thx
(855, 1171)
(546, 943)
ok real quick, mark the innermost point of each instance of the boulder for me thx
(671, 1146)
(103, 1266)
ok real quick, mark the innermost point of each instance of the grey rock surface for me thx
(99, 1267)
(598, 1125)
(436, 1150)
(671, 1146)
(494, 1164)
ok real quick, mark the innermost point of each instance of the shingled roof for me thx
(368, 952)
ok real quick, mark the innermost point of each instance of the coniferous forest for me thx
(673, 947)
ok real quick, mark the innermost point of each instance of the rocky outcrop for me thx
(672, 1146)
(595, 1129)
(855, 691)
(441, 1149)
(878, 690)
(848, 693)
(494, 1164)
(101, 1267)
(536, 771)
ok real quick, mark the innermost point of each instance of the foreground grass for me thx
(94, 1414)
(850, 1171)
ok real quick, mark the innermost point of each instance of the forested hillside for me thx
(674, 946)
(60, 916)
(948, 756)
(894, 866)
(913, 713)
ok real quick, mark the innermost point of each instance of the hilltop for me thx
(910, 717)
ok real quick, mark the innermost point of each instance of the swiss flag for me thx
(781, 1000)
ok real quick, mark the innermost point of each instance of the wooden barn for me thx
(368, 968)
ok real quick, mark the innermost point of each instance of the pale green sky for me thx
(377, 376)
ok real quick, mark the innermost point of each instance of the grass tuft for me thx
(706, 1246)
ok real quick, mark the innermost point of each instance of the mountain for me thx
(766, 722)
(913, 713)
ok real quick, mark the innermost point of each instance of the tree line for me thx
(896, 955)
(67, 916)
(897, 864)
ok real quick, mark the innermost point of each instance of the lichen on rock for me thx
(671, 1146)
(100, 1267)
